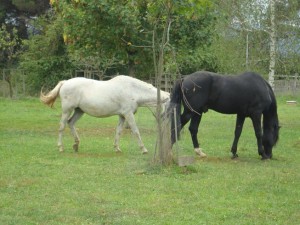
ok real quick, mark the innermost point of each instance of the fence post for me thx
(295, 83)
(3, 82)
(23, 78)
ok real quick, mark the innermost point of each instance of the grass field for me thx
(39, 185)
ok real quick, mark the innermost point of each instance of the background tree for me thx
(45, 56)
(288, 26)
(121, 32)
(192, 34)
(254, 37)
(15, 16)
(9, 42)
(113, 37)
(16, 13)
(273, 37)
(99, 29)
(241, 42)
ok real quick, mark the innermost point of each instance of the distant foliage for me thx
(45, 58)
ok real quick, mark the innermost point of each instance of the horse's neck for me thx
(270, 120)
(146, 97)
(145, 94)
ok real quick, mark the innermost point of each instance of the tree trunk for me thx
(7, 78)
(163, 140)
(272, 44)
(131, 65)
(131, 70)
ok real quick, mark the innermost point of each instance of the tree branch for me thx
(136, 46)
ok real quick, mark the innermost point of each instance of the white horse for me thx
(121, 95)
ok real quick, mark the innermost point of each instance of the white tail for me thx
(49, 99)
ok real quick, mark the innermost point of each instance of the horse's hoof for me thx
(144, 150)
(75, 147)
(235, 156)
(265, 158)
(117, 149)
(199, 152)
(202, 155)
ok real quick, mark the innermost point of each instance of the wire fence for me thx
(287, 84)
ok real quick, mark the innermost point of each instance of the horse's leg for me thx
(194, 124)
(63, 121)
(256, 120)
(237, 133)
(131, 121)
(118, 133)
(76, 116)
(184, 118)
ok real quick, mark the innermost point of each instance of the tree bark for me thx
(272, 44)
(164, 151)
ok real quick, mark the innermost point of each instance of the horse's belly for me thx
(225, 111)
(100, 110)
(227, 108)
(99, 113)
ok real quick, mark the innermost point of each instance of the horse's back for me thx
(245, 93)
(254, 85)
(78, 87)
(96, 98)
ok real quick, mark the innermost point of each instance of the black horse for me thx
(247, 95)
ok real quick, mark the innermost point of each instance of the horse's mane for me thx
(271, 116)
(273, 107)
(124, 77)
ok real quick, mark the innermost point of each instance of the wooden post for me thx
(24, 86)
(181, 160)
(3, 79)
(295, 84)
(175, 127)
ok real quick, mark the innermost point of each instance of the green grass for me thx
(39, 185)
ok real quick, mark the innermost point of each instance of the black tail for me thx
(175, 103)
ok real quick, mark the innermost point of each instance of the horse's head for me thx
(165, 96)
(271, 136)
(165, 99)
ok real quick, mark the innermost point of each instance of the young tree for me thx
(161, 16)
(9, 42)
